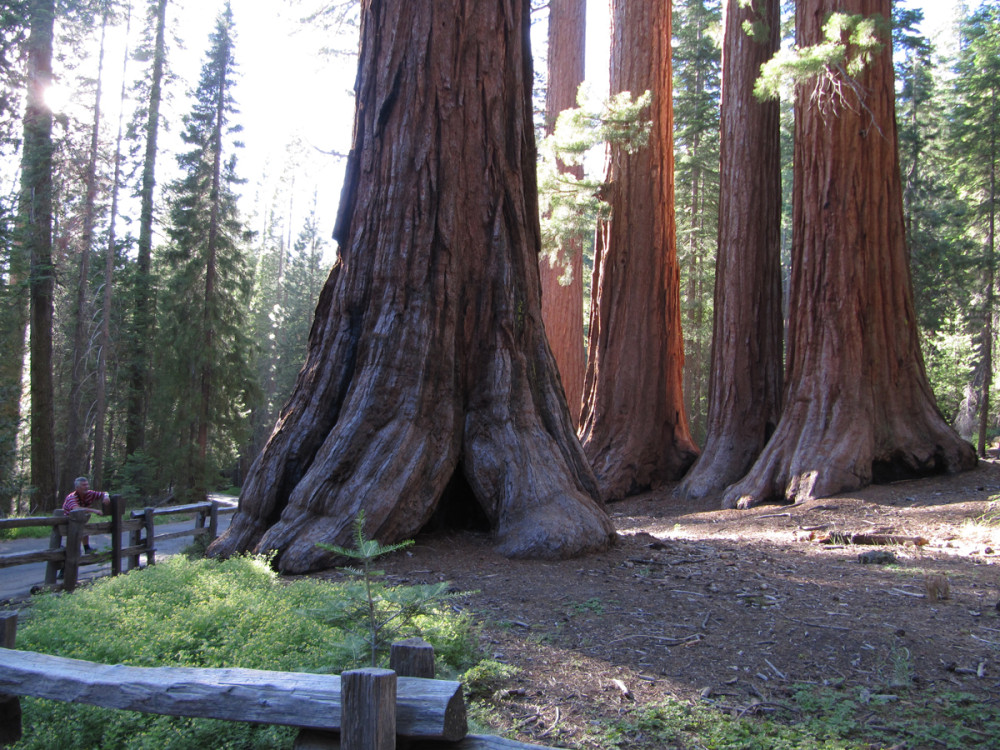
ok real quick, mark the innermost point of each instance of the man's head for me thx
(81, 484)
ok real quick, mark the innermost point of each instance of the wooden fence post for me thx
(134, 540)
(149, 522)
(117, 508)
(10, 705)
(213, 522)
(368, 719)
(74, 530)
(413, 657)
(55, 542)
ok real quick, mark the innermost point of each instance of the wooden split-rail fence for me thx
(64, 552)
(364, 709)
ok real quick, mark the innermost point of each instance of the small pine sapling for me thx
(385, 611)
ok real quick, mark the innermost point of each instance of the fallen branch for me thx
(669, 641)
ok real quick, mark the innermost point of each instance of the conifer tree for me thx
(202, 367)
(154, 50)
(634, 424)
(697, 61)
(35, 236)
(976, 141)
(13, 264)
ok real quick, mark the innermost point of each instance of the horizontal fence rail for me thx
(363, 709)
(68, 556)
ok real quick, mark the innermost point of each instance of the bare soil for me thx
(734, 607)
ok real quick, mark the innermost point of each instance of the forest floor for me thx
(736, 609)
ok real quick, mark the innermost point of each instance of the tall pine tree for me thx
(202, 365)
(976, 141)
(697, 87)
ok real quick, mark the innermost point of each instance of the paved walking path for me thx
(17, 581)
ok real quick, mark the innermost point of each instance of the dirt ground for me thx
(735, 606)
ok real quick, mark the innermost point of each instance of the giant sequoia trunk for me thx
(427, 358)
(745, 386)
(562, 305)
(635, 428)
(858, 407)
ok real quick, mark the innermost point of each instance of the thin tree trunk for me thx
(427, 356)
(73, 461)
(135, 429)
(104, 350)
(858, 407)
(562, 306)
(984, 400)
(36, 234)
(745, 383)
(635, 428)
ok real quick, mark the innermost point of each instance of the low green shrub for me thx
(201, 613)
(813, 718)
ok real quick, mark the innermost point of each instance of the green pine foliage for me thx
(203, 333)
(286, 290)
(697, 61)
(570, 208)
(383, 613)
(974, 145)
(830, 67)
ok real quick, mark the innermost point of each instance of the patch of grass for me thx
(991, 516)
(201, 613)
(594, 605)
(486, 678)
(813, 718)
(31, 532)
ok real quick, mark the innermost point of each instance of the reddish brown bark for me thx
(562, 306)
(858, 407)
(427, 358)
(635, 428)
(745, 385)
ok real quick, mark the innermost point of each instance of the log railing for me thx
(69, 556)
(364, 709)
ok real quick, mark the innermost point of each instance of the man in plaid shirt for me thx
(83, 498)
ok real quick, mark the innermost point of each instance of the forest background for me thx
(152, 106)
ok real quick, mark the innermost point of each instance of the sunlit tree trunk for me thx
(562, 305)
(35, 233)
(73, 459)
(635, 428)
(428, 362)
(858, 407)
(745, 383)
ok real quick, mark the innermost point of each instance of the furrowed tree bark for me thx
(858, 407)
(635, 428)
(427, 357)
(745, 385)
(562, 306)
